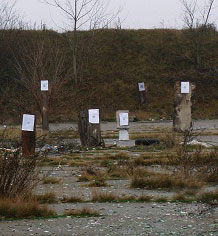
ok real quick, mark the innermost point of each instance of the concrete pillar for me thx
(122, 118)
(182, 118)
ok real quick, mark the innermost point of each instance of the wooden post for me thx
(143, 90)
(182, 117)
(90, 134)
(29, 140)
(45, 122)
(83, 127)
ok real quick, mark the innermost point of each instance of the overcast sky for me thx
(135, 13)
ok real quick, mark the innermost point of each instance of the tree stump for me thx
(182, 117)
(90, 134)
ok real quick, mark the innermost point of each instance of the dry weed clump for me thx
(180, 197)
(165, 181)
(98, 181)
(84, 212)
(111, 197)
(71, 199)
(18, 175)
(52, 180)
(169, 139)
(209, 197)
(91, 174)
(19, 208)
(103, 196)
(199, 164)
(46, 198)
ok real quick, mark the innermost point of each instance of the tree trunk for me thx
(90, 134)
(45, 122)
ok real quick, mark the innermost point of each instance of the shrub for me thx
(18, 175)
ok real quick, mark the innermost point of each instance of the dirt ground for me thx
(118, 218)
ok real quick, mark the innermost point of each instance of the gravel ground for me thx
(121, 219)
(124, 219)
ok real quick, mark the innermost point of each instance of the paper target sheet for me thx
(94, 116)
(44, 85)
(185, 87)
(124, 119)
(28, 122)
(141, 86)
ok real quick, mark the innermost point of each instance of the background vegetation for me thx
(110, 63)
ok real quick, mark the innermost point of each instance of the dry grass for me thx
(118, 156)
(17, 208)
(52, 180)
(84, 212)
(209, 197)
(84, 177)
(170, 139)
(98, 196)
(71, 199)
(165, 181)
(47, 198)
(98, 181)
(103, 196)
(180, 197)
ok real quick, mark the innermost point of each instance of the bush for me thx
(17, 174)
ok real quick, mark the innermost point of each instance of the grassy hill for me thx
(111, 63)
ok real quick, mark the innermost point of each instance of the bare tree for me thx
(194, 16)
(83, 14)
(8, 16)
(43, 61)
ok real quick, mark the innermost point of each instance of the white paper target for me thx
(185, 87)
(124, 119)
(28, 122)
(44, 85)
(94, 116)
(141, 86)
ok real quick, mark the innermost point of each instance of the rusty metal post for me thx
(29, 140)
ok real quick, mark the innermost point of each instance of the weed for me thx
(47, 198)
(144, 198)
(182, 198)
(103, 196)
(165, 181)
(17, 208)
(161, 199)
(84, 212)
(209, 197)
(52, 180)
(98, 181)
(71, 199)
